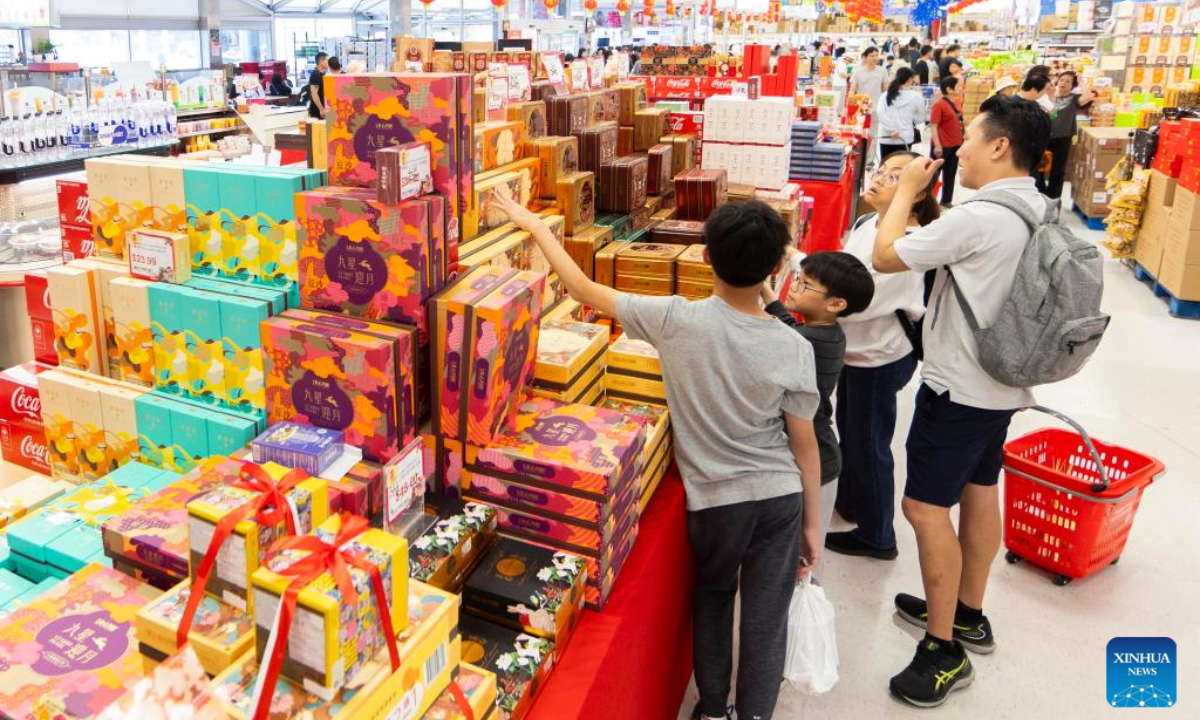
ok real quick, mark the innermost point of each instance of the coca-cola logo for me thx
(722, 84)
(679, 84)
(26, 403)
(34, 450)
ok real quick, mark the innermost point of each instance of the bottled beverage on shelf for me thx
(43, 132)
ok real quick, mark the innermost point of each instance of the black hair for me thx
(926, 49)
(926, 209)
(1038, 70)
(953, 49)
(869, 51)
(1035, 82)
(937, 55)
(903, 75)
(745, 241)
(335, 63)
(1024, 124)
(844, 276)
(321, 56)
(948, 83)
(568, 59)
(914, 43)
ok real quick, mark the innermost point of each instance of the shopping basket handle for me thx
(1087, 440)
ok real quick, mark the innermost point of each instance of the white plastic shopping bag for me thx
(812, 655)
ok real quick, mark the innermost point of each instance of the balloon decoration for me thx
(925, 12)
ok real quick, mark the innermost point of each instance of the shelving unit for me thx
(216, 131)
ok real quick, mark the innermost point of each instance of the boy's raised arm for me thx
(582, 288)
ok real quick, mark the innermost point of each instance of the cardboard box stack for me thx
(1097, 152)
(978, 90)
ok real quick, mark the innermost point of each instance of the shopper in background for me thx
(923, 64)
(231, 86)
(947, 119)
(914, 52)
(316, 87)
(880, 361)
(280, 87)
(869, 77)
(828, 287)
(335, 65)
(1034, 89)
(949, 59)
(1068, 99)
(743, 391)
(1006, 87)
(956, 442)
(1044, 100)
(900, 111)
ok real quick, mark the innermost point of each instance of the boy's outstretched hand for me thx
(517, 213)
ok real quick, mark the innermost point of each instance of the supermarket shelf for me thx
(216, 131)
(183, 114)
(17, 173)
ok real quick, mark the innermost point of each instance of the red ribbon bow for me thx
(269, 507)
(323, 557)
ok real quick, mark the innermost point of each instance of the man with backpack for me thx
(1015, 304)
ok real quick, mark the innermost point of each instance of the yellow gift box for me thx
(220, 634)
(246, 547)
(331, 639)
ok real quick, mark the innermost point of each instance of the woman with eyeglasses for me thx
(880, 360)
(900, 111)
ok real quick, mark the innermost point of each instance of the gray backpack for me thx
(1050, 323)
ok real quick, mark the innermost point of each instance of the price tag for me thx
(579, 76)
(555, 72)
(404, 480)
(596, 71)
(159, 256)
(519, 87)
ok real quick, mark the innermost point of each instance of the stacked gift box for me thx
(646, 268)
(693, 274)
(812, 158)
(634, 372)
(22, 434)
(750, 139)
(570, 362)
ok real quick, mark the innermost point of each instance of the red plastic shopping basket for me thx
(1069, 502)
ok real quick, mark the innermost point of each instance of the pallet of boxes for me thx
(1168, 243)
(1097, 151)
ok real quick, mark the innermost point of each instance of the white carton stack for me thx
(750, 139)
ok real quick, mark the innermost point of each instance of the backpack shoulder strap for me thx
(972, 322)
(863, 220)
(1011, 202)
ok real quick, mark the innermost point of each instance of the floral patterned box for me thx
(246, 547)
(369, 111)
(154, 533)
(71, 653)
(430, 651)
(521, 663)
(446, 553)
(331, 639)
(565, 350)
(584, 449)
(367, 259)
(178, 688)
(498, 143)
(220, 634)
(478, 686)
(326, 376)
(529, 588)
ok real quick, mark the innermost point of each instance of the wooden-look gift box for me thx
(577, 200)
(559, 156)
(660, 175)
(597, 145)
(649, 125)
(566, 114)
(623, 184)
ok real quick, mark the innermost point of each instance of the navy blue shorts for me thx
(950, 445)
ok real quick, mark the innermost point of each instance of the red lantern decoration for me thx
(550, 4)
(622, 6)
(499, 3)
(590, 5)
(670, 10)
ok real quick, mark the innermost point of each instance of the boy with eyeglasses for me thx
(828, 286)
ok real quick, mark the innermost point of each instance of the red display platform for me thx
(831, 214)
(633, 660)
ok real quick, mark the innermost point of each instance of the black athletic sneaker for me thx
(696, 712)
(846, 543)
(975, 636)
(932, 675)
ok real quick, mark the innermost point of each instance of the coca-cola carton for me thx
(24, 444)
(19, 399)
(74, 219)
(686, 123)
(716, 86)
(668, 87)
(41, 320)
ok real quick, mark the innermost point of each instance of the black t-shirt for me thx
(922, 69)
(317, 78)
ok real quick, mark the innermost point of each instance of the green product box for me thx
(202, 345)
(239, 225)
(12, 586)
(201, 190)
(228, 433)
(155, 441)
(167, 326)
(189, 433)
(241, 350)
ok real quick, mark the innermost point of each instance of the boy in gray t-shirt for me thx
(742, 391)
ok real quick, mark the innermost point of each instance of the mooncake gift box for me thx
(579, 448)
(133, 359)
(559, 156)
(451, 548)
(25, 496)
(430, 650)
(577, 199)
(649, 124)
(566, 114)
(631, 98)
(634, 357)
(351, 630)
(478, 687)
(700, 192)
(605, 261)
(404, 172)
(597, 145)
(648, 260)
(498, 143)
(641, 285)
(78, 325)
(659, 175)
(220, 634)
(367, 259)
(530, 170)
(321, 375)
(689, 233)
(657, 419)
(71, 652)
(312, 449)
(521, 663)
(566, 349)
(582, 247)
(683, 152)
(154, 532)
(483, 217)
(622, 183)
(246, 547)
(637, 388)
(529, 588)
(532, 114)
(178, 688)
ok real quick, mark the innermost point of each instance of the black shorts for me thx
(950, 445)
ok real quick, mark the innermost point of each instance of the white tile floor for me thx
(1141, 390)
